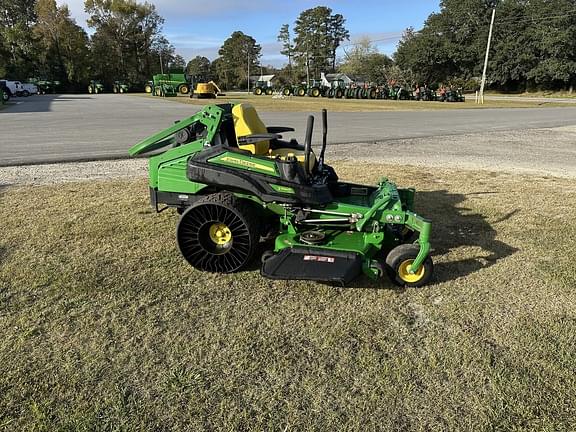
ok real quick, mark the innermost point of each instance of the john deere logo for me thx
(247, 164)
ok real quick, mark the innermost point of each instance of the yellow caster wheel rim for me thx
(406, 276)
(220, 234)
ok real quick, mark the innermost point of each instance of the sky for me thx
(199, 27)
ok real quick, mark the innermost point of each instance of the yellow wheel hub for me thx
(404, 272)
(220, 234)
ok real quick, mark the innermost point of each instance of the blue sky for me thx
(199, 27)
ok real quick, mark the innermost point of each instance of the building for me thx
(267, 79)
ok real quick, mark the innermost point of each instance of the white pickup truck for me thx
(16, 88)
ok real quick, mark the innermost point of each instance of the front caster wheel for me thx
(398, 264)
(218, 234)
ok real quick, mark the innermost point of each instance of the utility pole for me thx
(248, 54)
(483, 84)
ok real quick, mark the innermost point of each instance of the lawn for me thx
(103, 326)
(303, 104)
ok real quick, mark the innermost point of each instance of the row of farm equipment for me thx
(161, 85)
(339, 90)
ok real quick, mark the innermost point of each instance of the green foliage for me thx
(534, 43)
(17, 44)
(318, 36)
(63, 52)
(366, 62)
(287, 46)
(127, 41)
(238, 52)
(199, 69)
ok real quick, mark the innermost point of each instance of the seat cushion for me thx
(247, 122)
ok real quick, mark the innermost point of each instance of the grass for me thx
(104, 327)
(299, 104)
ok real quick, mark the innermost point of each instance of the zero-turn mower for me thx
(235, 182)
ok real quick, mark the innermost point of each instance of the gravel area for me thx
(547, 152)
(534, 151)
(73, 172)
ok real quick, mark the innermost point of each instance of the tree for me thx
(17, 44)
(318, 36)
(178, 62)
(534, 43)
(287, 46)
(127, 41)
(199, 69)
(63, 53)
(337, 33)
(365, 61)
(239, 53)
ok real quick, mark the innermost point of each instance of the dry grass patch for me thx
(299, 104)
(104, 327)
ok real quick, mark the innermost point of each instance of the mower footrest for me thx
(316, 264)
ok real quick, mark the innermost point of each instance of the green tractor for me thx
(235, 182)
(337, 89)
(287, 90)
(120, 87)
(301, 89)
(95, 87)
(316, 88)
(44, 86)
(262, 88)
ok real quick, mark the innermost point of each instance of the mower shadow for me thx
(454, 226)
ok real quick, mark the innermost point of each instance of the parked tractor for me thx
(451, 95)
(316, 88)
(301, 89)
(120, 87)
(337, 89)
(261, 88)
(95, 87)
(45, 86)
(287, 90)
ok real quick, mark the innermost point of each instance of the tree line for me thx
(534, 44)
(39, 39)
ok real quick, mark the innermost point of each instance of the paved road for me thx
(81, 127)
(543, 100)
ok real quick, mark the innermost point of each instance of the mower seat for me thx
(247, 122)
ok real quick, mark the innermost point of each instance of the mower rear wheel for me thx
(398, 264)
(218, 234)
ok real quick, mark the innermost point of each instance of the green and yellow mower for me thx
(236, 183)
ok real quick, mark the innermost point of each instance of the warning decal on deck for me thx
(318, 258)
